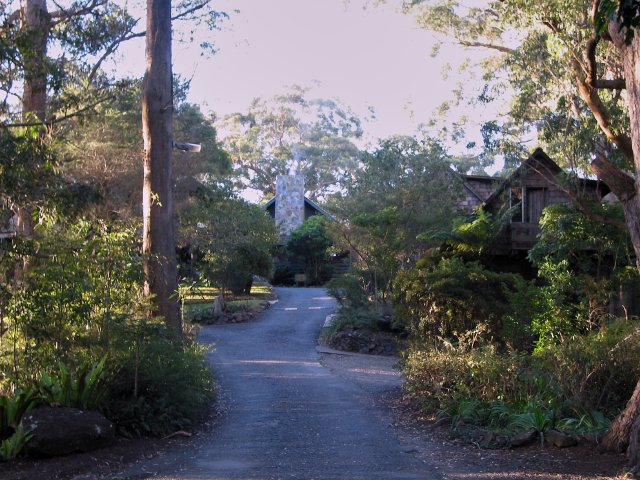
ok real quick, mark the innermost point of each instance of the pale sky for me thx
(363, 55)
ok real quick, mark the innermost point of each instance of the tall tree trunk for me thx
(161, 275)
(35, 28)
(36, 25)
(627, 189)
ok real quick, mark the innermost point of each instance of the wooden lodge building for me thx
(534, 185)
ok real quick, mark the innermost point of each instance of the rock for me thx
(486, 439)
(559, 439)
(523, 439)
(593, 438)
(363, 341)
(61, 431)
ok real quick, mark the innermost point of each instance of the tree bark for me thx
(36, 25)
(161, 276)
(619, 436)
(34, 29)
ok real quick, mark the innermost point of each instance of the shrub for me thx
(356, 318)
(78, 330)
(309, 243)
(83, 289)
(440, 377)
(283, 275)
(348, 292)
(597, 371)
(12, 407)
(11, 447)
(81, 389)
(448, 296)
(162, 385)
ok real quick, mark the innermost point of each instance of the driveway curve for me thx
(286, 416)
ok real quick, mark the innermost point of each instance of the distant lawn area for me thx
(199, 299)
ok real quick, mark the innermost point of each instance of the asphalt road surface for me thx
(286, 416)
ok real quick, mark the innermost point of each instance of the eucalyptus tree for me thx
(101, 149)
(403, 188)
(292, 133)
(232, 238)
(574, 68)
(60, 82)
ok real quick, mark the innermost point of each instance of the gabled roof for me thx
(307, 201)
(539, 161)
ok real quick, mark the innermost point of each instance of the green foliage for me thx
(83, 291)
(231, 239)
(79, 332)
(310, 243)
(448, 296)
(283, 275)
(101, 150)
(293, 132)
(579, 260)
(627, 13)
(27, 168)
(162, 385)
(10, 447)
(348, 291)
(442, 375)
(81, 389)
(597, 371)
(583, 382)
(590, 422)
(405, 187)
(585, 243)
(468, 234)
(361, 318)
(533, 53)
(13, 407)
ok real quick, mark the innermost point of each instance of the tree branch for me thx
(63, 15)
(492, 46)
(592, 69)
(578, 199)
(55, 120)
(620, 183)
(189, 11)
(112, 48)
(590, 95)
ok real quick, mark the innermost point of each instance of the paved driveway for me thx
(285, 415)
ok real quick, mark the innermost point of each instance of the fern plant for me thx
(82, 389)
(12, 446)
(13, 408)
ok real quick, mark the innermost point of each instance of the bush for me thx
(81, 389)
(439, 378)
(12, 407)
(597, 371)
(581, 379)
(357, 319)
(309, 243)
(348, 292)
(161, 386)
(448, 297)
(283, 275)
(77, 330)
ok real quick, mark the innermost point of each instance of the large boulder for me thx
(61, 431)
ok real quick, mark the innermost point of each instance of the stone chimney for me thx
(289, 203)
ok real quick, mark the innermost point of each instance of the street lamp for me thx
(187, 147)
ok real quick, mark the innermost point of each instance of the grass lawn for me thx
(199, 299)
